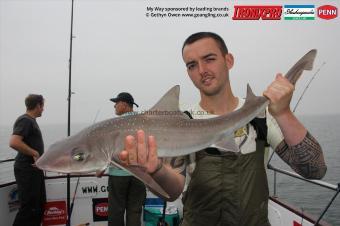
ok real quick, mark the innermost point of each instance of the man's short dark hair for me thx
(200, 35)
(32, 100)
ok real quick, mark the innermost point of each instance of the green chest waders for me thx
(227, 190)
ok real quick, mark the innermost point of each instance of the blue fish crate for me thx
(153, 212)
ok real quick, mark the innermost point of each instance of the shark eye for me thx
(79, 157)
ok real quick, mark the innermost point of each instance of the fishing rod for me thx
(297, 103)
(300, 98)
(307, 86)
(78, 180)
(271, 156)
(68, 183)
(69, 209)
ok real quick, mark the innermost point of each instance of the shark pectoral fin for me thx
(140, 173)
(226, 143)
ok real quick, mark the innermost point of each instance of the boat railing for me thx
(50, 176)
(276, 170)
(320, 183)
(8, 181)
(6, 160)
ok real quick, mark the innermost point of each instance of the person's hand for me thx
(35, 156)
(280, 93)
(141, 151)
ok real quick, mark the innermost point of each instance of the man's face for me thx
(121, 107)
(40, 109)
(207, 67)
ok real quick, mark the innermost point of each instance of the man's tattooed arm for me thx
(305, 158)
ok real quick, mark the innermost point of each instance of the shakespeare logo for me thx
(327, 12)
(251, 12)
(299, 12)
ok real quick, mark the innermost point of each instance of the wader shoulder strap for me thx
(260, 125)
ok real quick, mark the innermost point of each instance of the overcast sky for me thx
(118, 48)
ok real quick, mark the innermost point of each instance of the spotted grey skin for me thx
(97, 146)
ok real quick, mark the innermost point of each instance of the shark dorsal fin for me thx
(169, 102)
(250, 94)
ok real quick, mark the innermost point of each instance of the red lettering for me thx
(257, 12)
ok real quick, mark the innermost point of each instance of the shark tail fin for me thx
(311, 57)
(305, 63)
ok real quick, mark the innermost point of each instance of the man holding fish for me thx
(219, 155)
(228, 187)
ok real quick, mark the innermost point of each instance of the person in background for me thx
(126, 193)
(27, 140)
(229, 188)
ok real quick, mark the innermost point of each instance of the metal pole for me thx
(69, 211)
(328, 205)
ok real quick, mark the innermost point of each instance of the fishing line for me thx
(307, 86)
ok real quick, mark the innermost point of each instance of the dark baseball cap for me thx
(125, 97)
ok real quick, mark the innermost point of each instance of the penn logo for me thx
(252, 12)
(101, 209)
(327, 12)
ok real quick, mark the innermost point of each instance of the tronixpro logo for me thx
(327, 12)
(257, 12)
